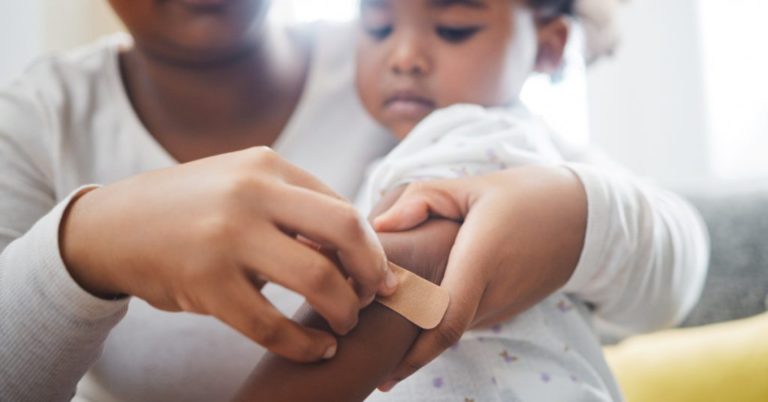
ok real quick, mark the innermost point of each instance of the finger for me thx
(419, 201)
(284, 260)
(334, 257)
(328, 253)
(403, 215)
(466, 288)
(339, 226)
(245, 309)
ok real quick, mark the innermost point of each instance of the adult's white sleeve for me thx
(645, 254)
(51, 330)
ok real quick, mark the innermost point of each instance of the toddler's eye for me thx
(457, 34)
(380, 32)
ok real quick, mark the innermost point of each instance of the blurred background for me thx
(683, 99)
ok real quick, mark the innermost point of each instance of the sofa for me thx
(737, 282)
(720, 352)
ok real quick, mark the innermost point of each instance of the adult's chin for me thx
(194, 31)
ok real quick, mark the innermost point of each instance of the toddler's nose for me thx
(409, 57)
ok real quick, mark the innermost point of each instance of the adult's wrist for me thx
(78, 250)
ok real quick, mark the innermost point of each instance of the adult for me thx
(196, 215)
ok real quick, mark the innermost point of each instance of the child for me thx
(415, 57)
(419, 56)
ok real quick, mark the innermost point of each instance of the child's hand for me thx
(205, 236)
(522, 234)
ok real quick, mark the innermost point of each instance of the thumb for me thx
(419, 201)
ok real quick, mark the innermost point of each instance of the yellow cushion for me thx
(719, 362)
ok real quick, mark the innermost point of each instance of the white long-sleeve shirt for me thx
(68, 122)
(550, 352)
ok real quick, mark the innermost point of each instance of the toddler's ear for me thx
(553, 36)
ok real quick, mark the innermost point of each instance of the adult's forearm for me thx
(645, 254)
(51, 331)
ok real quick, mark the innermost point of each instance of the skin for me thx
(421, 232)
(206, 81)
(423, 50)
(214, 87)
(494, 271)
(370, 352)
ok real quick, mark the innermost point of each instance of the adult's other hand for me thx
(522, 234)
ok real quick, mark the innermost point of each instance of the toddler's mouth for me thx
(408, 105)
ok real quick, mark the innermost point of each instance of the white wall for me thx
(313, 10)
(29, 28)
(70, 23)
(736, 60)
(648, 104)
(20, 36)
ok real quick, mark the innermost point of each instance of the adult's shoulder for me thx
(70, 75)
(61, 82)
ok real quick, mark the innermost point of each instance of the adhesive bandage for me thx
(417, 299)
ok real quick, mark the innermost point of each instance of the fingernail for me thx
(330, 352)
(387, 386)
(367, 301)
(377, 222)
(391, 280)
(352, 325)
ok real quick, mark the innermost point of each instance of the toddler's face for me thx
(191, 30)
(418, 55)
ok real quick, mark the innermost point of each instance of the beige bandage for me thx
(417, 299)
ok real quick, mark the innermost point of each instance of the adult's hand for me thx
(205, 236)
(522, 234)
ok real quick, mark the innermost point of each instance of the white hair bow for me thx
(598, 19)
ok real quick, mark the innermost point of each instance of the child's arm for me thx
(373, 349)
